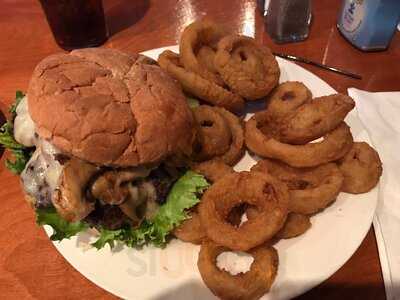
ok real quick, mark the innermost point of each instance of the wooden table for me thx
(30, 267)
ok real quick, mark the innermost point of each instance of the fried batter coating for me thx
(333, 147)
(310, 189)
(213, 135)
(361, 168)
(191, 230)
(295, 225)
(315, 118)
(248, 68)
(267, 194)
(212, 170)
(197, 49)
(196, 85)
(286, 98)
(244, 286)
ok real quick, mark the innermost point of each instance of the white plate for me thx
(172, 273)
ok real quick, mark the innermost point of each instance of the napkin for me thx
(380, 114)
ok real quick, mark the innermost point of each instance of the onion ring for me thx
(236, 149)
(295, 225)
(286, 98)
(205, 56)
(243, 286)
(315, 118)
(334, 146)
(212, 170)
(191, 230)
(198, 86)
(213, 135)
(310, 189)
(199, 39)
(361, 168)
(268, 195)
(249, 69)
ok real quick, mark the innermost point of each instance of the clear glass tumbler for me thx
(76, 23)
(288, 20)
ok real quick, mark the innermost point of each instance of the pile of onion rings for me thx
(219, 68)
(297, 179)
(291, 124)
(307, 150)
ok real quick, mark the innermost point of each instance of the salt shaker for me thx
(288, 20)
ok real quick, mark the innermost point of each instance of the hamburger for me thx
(107, 135)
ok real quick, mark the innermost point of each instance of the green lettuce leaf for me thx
(7, 137)
(132, 237)
(21, 158)
(62, 229)
(20, 153)
(183, 195)
(18, 97)
(108, 237)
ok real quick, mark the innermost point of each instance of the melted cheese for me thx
(42, 173)
(24, 127)
(54, 168)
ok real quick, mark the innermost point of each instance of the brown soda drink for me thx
(76, 23)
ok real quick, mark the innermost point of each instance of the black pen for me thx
(310, 62)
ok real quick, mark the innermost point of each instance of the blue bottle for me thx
(369, 24)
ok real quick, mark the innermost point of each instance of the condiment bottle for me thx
(369, 24)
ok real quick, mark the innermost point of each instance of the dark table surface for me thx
(30, 266)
